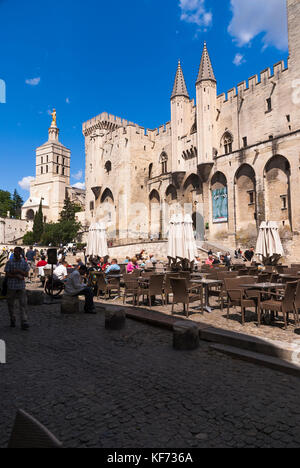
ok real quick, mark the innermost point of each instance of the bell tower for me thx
(52, 176)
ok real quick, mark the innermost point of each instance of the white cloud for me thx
(251, 18)
(238, 60)
(79, 185)
(68, 100)
(33, 81)
(195, 12)
(78, 175)
(25, 183)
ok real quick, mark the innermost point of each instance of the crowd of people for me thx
(22, 264)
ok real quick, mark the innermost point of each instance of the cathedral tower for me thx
(206, 98)
(52, 177)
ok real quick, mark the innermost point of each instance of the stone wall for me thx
(12, 229)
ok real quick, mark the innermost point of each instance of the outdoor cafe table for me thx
(206, 283)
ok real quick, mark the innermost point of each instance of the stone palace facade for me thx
(232, 160)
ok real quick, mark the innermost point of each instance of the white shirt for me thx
(60, 272)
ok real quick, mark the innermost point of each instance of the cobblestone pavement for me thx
(95, 388)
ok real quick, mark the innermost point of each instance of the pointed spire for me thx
(206, 71)
(180, 88)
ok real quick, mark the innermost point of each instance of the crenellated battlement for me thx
(114, 124)
(265, 76)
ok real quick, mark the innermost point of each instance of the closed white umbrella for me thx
(179, 236)
(90, 246)
(102, 248)
(190, 247)
(269, 245)
(97, 241)
(171, 238)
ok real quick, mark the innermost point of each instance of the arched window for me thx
(164, 163)
(227, 142)
(108, 167)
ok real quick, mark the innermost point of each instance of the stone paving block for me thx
(115, 319)
(35, 297)
(185, 336)
(70, 305)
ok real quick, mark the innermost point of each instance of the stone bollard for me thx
(115, 319)
(185, 336)
(35, 297)
(69, 305)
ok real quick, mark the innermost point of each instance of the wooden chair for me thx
(155, 287)
(236, 295)
(285, 305)
(183, 294)
(30, 433)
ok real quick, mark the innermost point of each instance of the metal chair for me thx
(30, 433)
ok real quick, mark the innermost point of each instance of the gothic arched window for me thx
(227, 142)
(164, 163)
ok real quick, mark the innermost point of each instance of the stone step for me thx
(282, 350)
(259, 359)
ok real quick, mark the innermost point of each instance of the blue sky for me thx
(87, 57)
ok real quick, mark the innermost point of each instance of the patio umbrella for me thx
(179, 236)
(171, 238)
(190, 247)
(269, 246)
(181, 242)
(97, 241)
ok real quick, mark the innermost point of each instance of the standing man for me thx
(30, 255)
(16, 271)
(249, 254)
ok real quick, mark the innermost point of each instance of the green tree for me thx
(69, 210)
(28, 239)
(6, 203)
(17, 203)
(38, 224)
(60, 233)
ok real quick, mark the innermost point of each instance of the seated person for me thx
(132, 265)
(76, 287)
(79, 262)
(103, 264)
(60, 273)
(113, 269)
(209, 261)
(42, 262)
(148, 264)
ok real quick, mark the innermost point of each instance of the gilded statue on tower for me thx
(53, 117)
